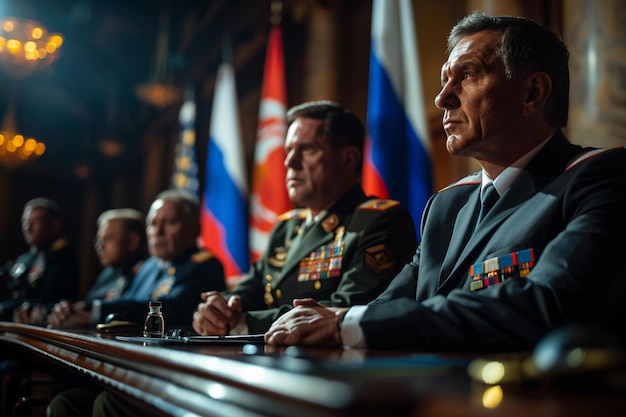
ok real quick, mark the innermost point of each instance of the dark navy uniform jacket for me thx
(563, 220)
(176, 284)
(112, 282)
(43, 281)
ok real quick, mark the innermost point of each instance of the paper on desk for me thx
(232, 339)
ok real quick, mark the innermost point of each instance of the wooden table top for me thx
(243, 379)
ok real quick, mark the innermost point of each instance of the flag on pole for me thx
(185, 174)
(224, 216)
(269, 196)
(397, 150)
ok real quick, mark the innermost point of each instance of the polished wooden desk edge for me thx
(220, 381)
(162, 375)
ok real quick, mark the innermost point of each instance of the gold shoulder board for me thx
(201, 256)
(58, 244)
(292, 214)
(378, 204)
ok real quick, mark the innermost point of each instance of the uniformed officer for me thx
(44, 274)
(121, 247)
(341, 247)
(175, 273)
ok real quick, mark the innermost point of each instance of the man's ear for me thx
(538, 89)
(134, 241)
(56, 226)
(351, 158)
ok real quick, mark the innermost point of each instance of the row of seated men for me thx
(531, 242)
(340, 247)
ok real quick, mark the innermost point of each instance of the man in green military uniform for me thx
(44, 274)
(340, 247)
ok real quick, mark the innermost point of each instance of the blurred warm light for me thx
(111, 148)
(25, 46)
(15, 149)
(82, 171)
(492, 397)
(159, 94)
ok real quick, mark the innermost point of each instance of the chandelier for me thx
(25, 47)
(15, 149)
(158, 91)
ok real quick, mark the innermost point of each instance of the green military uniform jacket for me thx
(348, 257)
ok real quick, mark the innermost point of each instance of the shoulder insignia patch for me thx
(58, 244)
(201, 256)
(298, 213)
(330, 222)
(379, 259)
(378, 204)
(137, 266)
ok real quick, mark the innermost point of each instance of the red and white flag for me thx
(268, 197)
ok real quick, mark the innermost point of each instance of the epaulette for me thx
(201, 256)
(299, 213)
(378, 204)
(137, 266)
(58, 244)
(587, 155)
(471, 179)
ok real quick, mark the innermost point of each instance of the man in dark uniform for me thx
(341, 247)
(121, 247)
(549, 252)
(37, 279)
(175, 273)
(44, 274)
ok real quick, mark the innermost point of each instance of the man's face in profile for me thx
(37, 226)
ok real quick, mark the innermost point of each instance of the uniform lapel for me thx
(463, 228)
(477, 244)
(547, 165)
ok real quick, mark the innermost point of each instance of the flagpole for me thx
(276, 8)
(268, 197)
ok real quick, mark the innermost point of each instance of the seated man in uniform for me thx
(175, 273)
(340, 247)
(547, 253)
(47, 272)
(121, 247)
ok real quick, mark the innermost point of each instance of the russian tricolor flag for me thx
(397, 150)
(224, 216)
(269, 194)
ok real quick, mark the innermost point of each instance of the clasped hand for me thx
(216, 316)
(309, 323)
(68, 314)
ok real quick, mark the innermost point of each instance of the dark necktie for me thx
(488, 199)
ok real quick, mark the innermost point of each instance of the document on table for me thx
(232, 339)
